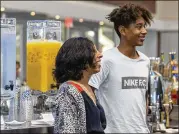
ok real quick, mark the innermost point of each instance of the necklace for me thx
(90, 94)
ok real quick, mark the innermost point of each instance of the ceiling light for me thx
(91, 33)
(57, 17)
(32, 13)
(101, 23)
(80, 20)
(2, 9)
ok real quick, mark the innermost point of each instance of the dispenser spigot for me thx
(10, 86)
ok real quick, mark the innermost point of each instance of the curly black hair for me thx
(128, 14)
(75, 55)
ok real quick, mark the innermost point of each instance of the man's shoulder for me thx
(143, 56)
(109, 53)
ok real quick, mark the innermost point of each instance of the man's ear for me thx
(122, 30)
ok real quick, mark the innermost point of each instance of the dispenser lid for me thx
(43, 30)
(8, 22)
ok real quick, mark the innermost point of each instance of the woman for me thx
(77, 109)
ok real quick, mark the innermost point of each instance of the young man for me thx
(123, 79)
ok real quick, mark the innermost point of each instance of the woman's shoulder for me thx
(64, 87)
(67, 89)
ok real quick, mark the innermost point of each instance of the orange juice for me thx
(40, 63)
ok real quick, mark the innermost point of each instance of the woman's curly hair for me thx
(75, 55)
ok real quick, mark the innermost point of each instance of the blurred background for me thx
(78, 18)
(87, 18)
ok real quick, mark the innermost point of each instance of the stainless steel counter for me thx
(48, 129)
(174, 123)
(27, 128)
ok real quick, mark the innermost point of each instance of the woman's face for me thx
(97, 61)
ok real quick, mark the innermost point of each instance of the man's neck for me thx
(128, 50)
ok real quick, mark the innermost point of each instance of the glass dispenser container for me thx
(8, 56)
(43, 43)
(8, 67)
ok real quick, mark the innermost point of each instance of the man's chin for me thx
(139, 44)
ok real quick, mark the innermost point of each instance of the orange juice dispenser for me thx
(43, 43)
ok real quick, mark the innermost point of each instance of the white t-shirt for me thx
(122, 84)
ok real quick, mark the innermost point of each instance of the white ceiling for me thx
(79, 9)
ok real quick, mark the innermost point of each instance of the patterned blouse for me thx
(72, 117)
(75, 112)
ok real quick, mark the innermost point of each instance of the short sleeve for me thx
(97, 79)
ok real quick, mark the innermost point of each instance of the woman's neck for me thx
(85, 79)
(84, 83)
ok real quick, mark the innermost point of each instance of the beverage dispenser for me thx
(43, 43)
(8, 67)
(8, 56)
